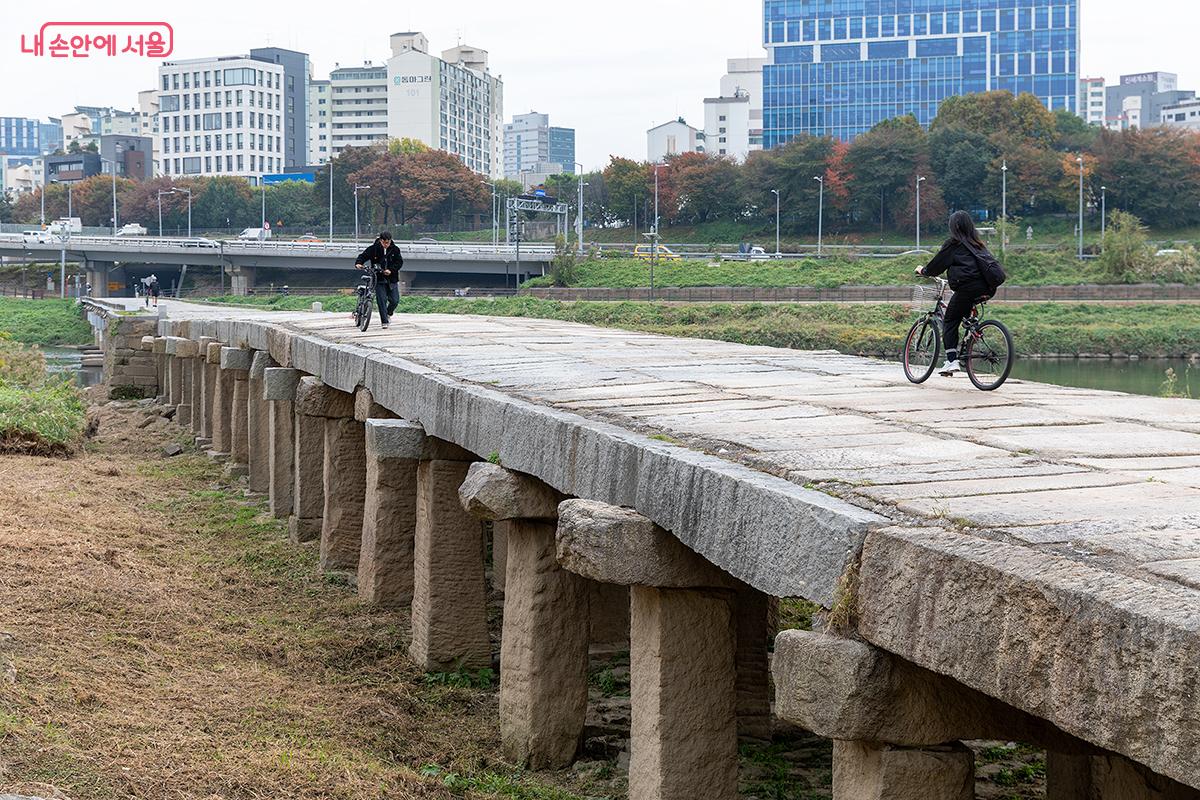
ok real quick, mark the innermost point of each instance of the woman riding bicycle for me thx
(966, 278)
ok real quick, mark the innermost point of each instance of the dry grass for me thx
(162, 640)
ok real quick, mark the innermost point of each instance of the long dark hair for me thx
(962, 230)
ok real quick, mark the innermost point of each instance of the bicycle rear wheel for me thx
(989, 356)
(921, 349)
(362, 313)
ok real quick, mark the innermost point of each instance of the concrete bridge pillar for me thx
(241, 279)
(449, 607)
(544, 648)
(683, 649)
(385, 564)
(235, 371)
(1108, 777)
(279, 390)
(315, 403)
(222, 401)
(258, 424)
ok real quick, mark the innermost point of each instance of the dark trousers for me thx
(964, 299)
(388, 296)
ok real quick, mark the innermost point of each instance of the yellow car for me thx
(645, 252)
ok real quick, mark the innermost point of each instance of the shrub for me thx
(1126, 247)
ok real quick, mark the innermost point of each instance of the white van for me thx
(132, 229)
(255, 234)
(38, 237)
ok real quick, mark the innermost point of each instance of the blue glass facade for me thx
(839, 67)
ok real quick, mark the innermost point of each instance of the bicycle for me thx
(365, 308)
(987, 351)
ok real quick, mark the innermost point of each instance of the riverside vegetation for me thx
(861, 329)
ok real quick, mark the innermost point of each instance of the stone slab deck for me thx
(785, 467)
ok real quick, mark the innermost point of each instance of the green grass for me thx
(1050, 268)
(866, 329)
(39, 413)
(44, 322)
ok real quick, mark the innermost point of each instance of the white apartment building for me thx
(1092, 102)
(148, 119)
(451, 103)
(727, 126)
(1185, 114)
(319, 119)
(358, 107)
(221, 116)
(671, 139)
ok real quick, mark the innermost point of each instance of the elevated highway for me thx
(107, 258)
(1020, 566)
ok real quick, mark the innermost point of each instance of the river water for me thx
(69, 360)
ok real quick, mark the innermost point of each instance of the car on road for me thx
(309, 238)
(132, 229)
(255, 234)
(199, 241)
(645, 252)
(38, 237)
(1168, 252)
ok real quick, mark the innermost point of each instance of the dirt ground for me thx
(161, 639)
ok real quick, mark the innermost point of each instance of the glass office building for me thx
(838, 67)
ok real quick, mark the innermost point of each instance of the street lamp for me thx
(114, 192)
(1103, 212)
(356, 189)
(920, 180)
(262, 185)
(174, 190)
(331, 199)
(654, 233)
(820, 212)
(1080, 161)
(495, 229)
(188, 192)
(776, 193)
(1004, 207)
(579, 207)
(161, 192)
(70, 211)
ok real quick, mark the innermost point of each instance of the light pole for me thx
(356, 189)
(495, 228)
(1079, 159)
(1103, 212)
(1004, 207)
(70, 207)
(188, 192)
(654, 249)
(776, 193)
(262, 186)
(820, 212)
(920, 180)
(43, 192)
(161, 192)
(579, 208)
(331, 199)
(114, 193)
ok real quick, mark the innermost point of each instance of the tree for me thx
(789, 168)
(7, 208)
(1126, 248)
(225, 202)
(292, 203)
(1073, 133)
(998, 113)
(960, 159)
(703, 185)
(629, 184)
(1152, 173)
(882, 162)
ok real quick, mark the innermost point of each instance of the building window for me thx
(241, 76)
(191, 166)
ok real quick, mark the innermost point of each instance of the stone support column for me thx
(208, 385)
(683, 634)
(196, 395)
(385, 563)
(544, 647)
(182, 353)
(345, 490)
(1108, 777)
(871, 771)
(449, 606)
(279, 390)
(315, 403)
(258, 425)
(174, 372)
(164, 377)
(222, 402)
(235, 366)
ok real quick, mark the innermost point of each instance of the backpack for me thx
(993, 274)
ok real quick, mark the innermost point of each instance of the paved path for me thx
(1040, 543)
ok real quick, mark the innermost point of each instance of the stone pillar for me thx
(544, 647)
(196, 397)
(164, 379)
(315, 402)
(182, 353)
(235, 366)
(258, 425)
(751, 619)
(279, 390)
(449, 606)
(345, 490)
(682, 649)
(385, 563)
(1108, 777)
(222, 402)
(609, 604)
(208, 384)
(174, 372)
(870, 771)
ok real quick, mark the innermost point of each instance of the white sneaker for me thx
(385, 325)
(949, 368)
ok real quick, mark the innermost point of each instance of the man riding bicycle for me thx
(961, 257)
(384, 257)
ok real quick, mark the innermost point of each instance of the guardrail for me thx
(151, 243)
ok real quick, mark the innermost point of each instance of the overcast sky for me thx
(608, 69)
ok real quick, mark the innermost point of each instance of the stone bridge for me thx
(1018, 566)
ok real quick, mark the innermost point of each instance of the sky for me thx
(611, 70)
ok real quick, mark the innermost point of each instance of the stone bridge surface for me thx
(1040, 546)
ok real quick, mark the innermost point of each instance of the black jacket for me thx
(957, 259)
(389, 259)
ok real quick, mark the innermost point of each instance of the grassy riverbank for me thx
(869, 329)
(40, 414)
(44, 322)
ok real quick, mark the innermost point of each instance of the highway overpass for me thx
(110, 261)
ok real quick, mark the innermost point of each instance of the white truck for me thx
(132, 229)
(66, 225)
(255, 234)
(38, 237)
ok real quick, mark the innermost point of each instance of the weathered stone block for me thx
(235, 358)
(494, 493)
(1108, 777)
(309, 464)
(315, 399)
(385, 564)
(259, 363)
(366, 408)
(239, 426)
(345, 489)
(213, 353)
(281, 420)
(865, 771)
(398, 439)
(280, 383)
(619, 545)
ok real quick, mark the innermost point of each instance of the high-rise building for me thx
(452, 103)
(221, 116)
(358, 107)
(1138, 100)
(319, 117)
(531, 145)
(297, 72)
(840, 68)
(1092, 100)
(733, 121)
(21, 136)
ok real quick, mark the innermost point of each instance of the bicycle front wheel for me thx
(362, 313)
(989, 356)
(921, 349)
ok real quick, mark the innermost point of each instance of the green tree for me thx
(789, 168)
(292, 203)
(960, 159)
(882, 163)
(224, 202)
(1152, 173)
(1126, 250)
(998, 113)
(629, 183)
(703, 185)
